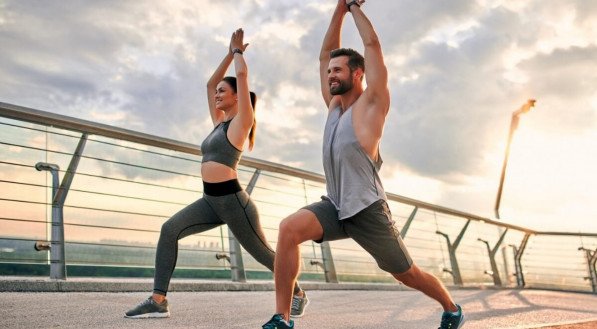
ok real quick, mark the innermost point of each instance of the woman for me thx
(224, 201)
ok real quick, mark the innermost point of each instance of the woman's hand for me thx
(236, 41)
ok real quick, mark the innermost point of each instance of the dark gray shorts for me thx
(372, 228)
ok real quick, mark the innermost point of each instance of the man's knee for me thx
(289, 232)
(297, 228)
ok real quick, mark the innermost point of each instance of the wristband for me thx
(237, 51)
(353, 2)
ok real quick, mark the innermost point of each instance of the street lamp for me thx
(513, 125)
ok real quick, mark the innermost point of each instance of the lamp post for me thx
(513, 125)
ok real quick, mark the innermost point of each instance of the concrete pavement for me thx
(329, 309)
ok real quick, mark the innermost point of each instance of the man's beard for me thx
(343, 87)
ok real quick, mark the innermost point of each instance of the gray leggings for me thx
(235, 209)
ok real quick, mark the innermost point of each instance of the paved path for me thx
(329, 309)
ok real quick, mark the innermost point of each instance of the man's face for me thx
(340, 77)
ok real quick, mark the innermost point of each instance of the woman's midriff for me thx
(213, 172)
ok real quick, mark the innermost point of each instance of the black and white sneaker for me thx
(298, 306)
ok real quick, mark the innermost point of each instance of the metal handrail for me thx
(84, 126)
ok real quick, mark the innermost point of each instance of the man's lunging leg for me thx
(294, 230)
(427, 284)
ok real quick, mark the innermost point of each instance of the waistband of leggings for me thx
(222, 188)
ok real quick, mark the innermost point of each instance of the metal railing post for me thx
(57, 261)
(591, 257)
(237, 265)
(59, 193)
(408, 222)
(495, 273)
(329, 269)
(517, 261)
(327, 259)
(452, 250)
(71, 171)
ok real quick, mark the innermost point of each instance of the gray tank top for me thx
(352, 179)
(216, 147)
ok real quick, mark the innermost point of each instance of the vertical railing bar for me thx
(452, 251)
(67, 180)
(495, 273)
(59, 193)
(520, 282)
(328, 263)
(313, 248)
(591, 258)
(237, 266)
(593, 270)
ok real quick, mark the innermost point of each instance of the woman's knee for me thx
(168, 230)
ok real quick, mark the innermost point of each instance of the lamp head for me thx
(527, 107)
(524, 108)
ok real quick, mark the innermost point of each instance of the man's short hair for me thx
(355, 60)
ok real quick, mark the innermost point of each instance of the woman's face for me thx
(225, 96)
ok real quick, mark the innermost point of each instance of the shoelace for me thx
(145, 302)
(295, 302)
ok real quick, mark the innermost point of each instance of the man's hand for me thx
(350, 3)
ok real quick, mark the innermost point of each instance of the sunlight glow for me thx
(541, 178)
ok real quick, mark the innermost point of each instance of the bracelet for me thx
(237, 51)
(353, 2)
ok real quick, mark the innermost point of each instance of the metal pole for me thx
(517, 261)
(498, 199)
(328, 263)
(495, 273)
(408, 222)
(59, 193)
(327, 259)
(237, 265)
(452, 250)
(513, 125)
(591, 257)
(57, 259)
(71, 171)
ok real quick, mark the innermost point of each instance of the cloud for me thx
(444, 118)
(566, 82)
(457, 71)
(441, 117)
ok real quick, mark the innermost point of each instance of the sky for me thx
(457, 70)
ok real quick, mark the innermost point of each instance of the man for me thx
(356, 204)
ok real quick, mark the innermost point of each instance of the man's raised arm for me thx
(376, 73)
(331, 41)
